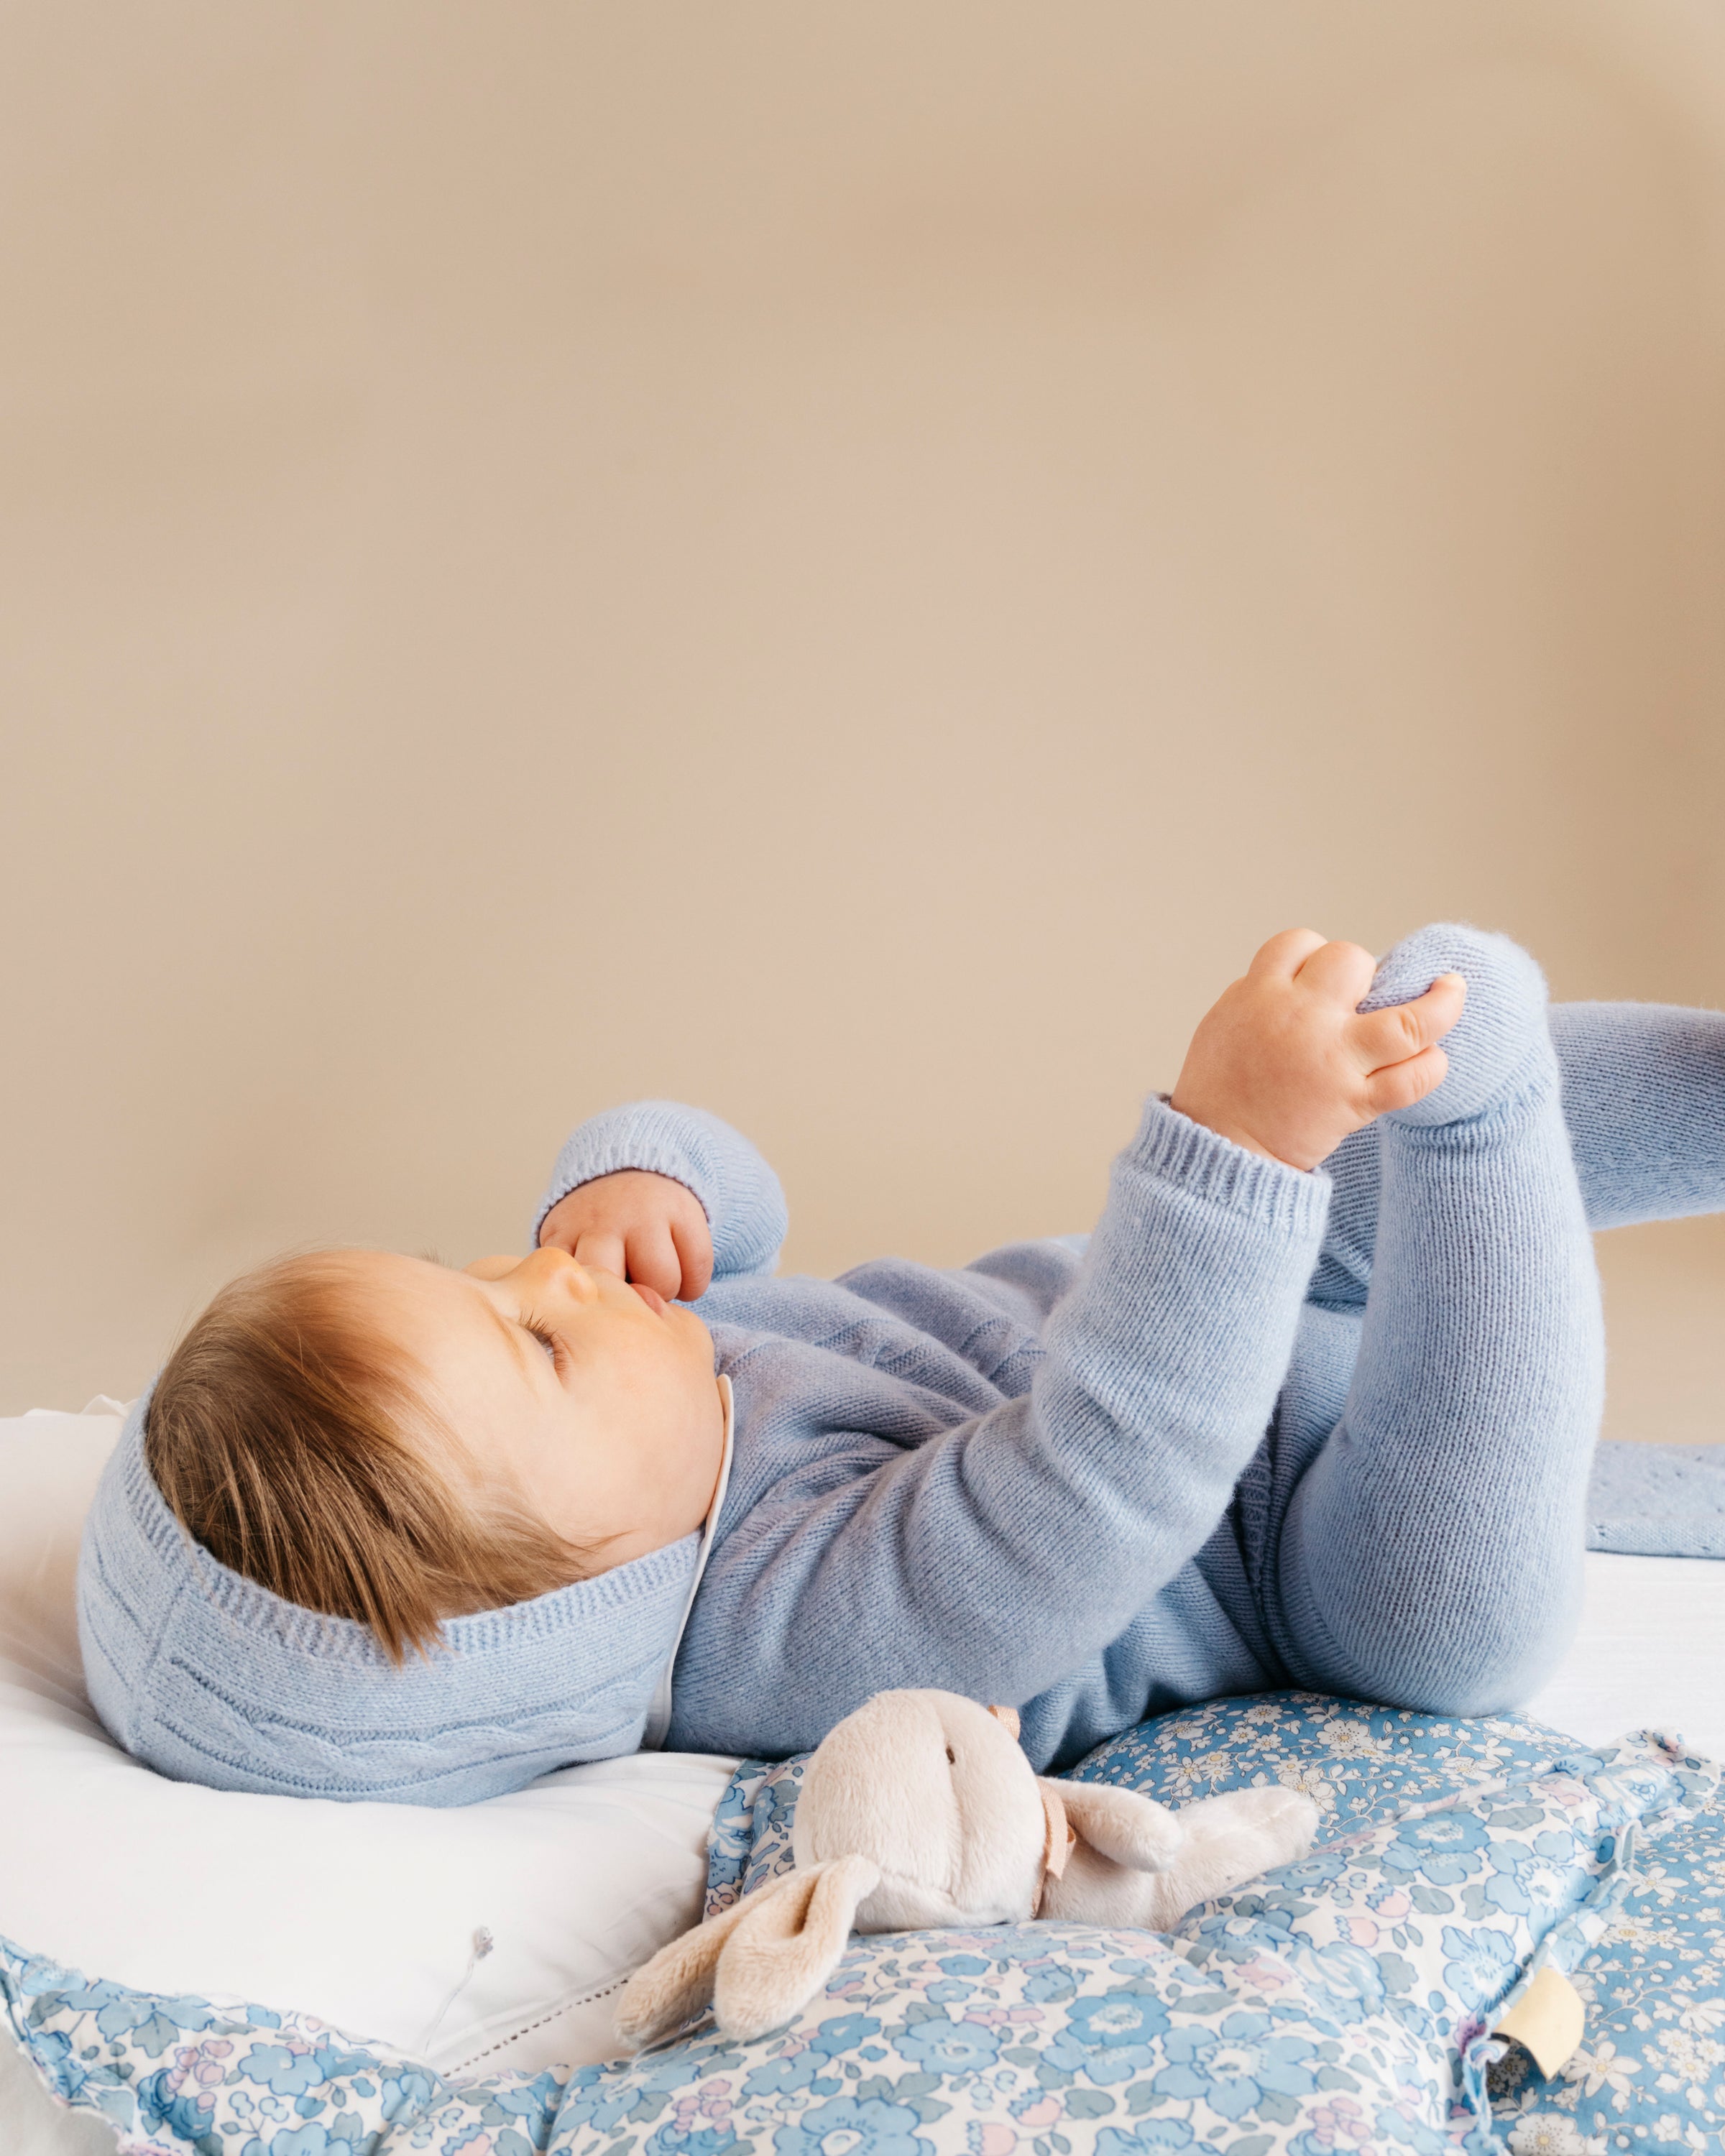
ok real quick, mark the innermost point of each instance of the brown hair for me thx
(293, 1440)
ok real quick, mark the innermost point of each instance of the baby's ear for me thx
(758, 1964)
(1133, 1831)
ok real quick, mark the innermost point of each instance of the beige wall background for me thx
(847, 564)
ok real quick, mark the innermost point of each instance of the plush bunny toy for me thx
(920, 1810)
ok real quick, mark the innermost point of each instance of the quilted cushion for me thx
(1650, 2071)
(1341, 2004)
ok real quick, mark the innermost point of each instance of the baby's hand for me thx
(1285, 1064)
(638, 1225)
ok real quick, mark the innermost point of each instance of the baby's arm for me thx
(666, 1195)
(1285, 1064)
(996, 1557)
(862, 1547)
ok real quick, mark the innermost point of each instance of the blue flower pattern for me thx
(1339, 2007)
(1649, 2074)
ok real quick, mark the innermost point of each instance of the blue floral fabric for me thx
(750, 1838)
(1357, 1763)
(1650, 2071)
(1340, 2005)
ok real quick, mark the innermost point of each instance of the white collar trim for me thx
(658, 1714)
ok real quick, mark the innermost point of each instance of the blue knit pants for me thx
(1427, 1549)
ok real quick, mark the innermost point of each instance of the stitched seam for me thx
(554, 1712)
(563, 2006)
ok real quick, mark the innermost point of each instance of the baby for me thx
(1314, 1405)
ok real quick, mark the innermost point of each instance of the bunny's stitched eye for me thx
(951, 1757)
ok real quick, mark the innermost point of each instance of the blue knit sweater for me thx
(978, 1479)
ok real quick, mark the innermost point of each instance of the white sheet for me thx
(1650, 1654)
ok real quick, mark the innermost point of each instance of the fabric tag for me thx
(1547, 2021)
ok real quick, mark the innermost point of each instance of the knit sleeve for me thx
(738, 1191)
(994, 1558)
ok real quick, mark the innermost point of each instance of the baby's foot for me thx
(1500, 1046)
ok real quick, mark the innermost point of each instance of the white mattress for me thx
(1650, 1655)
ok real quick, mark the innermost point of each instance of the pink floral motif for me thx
(1340, 2121)
(200, 2064)
(991, 2136)
(1046, 2112)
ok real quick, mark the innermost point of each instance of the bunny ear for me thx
(1131, 1831)
(677, 1983)
(787, 1945)
(757, 1964)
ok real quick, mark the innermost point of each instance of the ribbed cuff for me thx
(736, 1189)
(674, 1166)
(1175, 1150)
(646, 1137)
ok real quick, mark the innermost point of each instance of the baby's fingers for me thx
(600, 1248)
(1342, 971)
(695, 1249)
(1400, 1085)
(653, 1259)
(1392, 1036)
(1282, 957)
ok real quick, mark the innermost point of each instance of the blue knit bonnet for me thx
(210, 1678)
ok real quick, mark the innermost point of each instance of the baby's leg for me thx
(1644, 1101)
(1430, 1554)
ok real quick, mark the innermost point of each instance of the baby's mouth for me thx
(651, 1297)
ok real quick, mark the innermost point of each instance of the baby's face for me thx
(595, 1401)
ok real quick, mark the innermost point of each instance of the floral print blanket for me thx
(1341, 2005)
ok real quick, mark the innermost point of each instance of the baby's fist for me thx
(638, 1225)
(1287, 1064)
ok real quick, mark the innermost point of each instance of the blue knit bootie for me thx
(1500, 1048)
